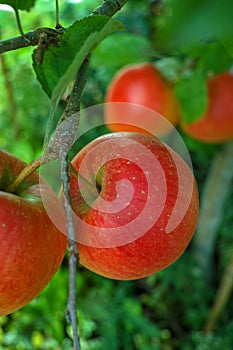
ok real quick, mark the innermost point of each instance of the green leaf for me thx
(192, 95)
(19, 4)
(207, 62)
(184, 23)
(169, 67)
(122, 49)
(228, 45)
(60, 64)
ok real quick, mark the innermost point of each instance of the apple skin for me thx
(31, 247)
(216, 125)
(153, 250)
(140, 84)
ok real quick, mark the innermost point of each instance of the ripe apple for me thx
(216, 125)
(136, 205)
(140, 84)
(31, 247)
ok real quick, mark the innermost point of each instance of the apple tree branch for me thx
(33, 37)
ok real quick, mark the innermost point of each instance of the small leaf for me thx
(19, 4)
(192, 94)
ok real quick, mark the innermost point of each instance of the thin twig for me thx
(73, 105)
(73, 253)
(20, 28)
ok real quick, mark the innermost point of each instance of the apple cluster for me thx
(142, 84)
(135, 204)
(134, 199)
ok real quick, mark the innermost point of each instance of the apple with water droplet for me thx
(136, 205)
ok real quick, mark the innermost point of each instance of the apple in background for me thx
(136, 204)
(31, 247)
(216, 125)
(140, 84)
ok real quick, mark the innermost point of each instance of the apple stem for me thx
(19, 23)
(23, 175)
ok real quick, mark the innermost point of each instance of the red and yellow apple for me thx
(216, 125)
(136, 205)
(31, 247)
(140, 84)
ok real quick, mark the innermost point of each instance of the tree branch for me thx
(110, 7)
(32, 38)
(73, 253)
(73, 107)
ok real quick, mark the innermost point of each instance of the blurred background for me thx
(173, 309)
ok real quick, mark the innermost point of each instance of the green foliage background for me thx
(165, 311)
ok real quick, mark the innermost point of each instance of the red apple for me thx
(136, 203)
(216, 125)
(31, 247)
(140, 84)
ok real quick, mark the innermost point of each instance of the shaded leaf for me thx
(207, 58)
(169, 67)
(192, 94)
(124, 48)
(228, 45)
(187, 22)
